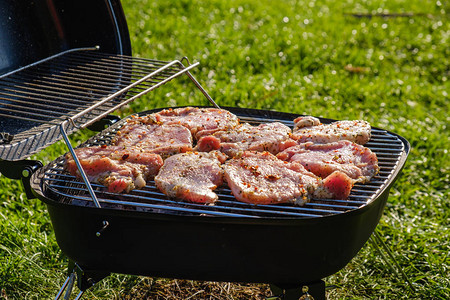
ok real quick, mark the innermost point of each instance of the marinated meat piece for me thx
(306, 121)
(337, 185)
(200, 121)
(192, 176)
(161, 139)
(357, 161)
(262, 178)
(271, 137)
(309, 129)
(120, 170)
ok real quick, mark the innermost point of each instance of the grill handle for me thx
(21, 169)
(77, 162)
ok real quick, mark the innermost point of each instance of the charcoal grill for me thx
(74, 83)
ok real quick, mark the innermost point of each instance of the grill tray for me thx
(67, 189)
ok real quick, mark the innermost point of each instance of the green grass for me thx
(292, 56)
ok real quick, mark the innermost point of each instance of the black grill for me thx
(43, 95)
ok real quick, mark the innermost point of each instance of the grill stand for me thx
(88, 278)
(307, 291)
(85, 279)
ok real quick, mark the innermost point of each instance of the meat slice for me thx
(120, 170)
(262, 178)
(357, 161)
(161, 139)
(271, 137)
(200, 121)
(309, 129)
(192, 176)
(306, 121)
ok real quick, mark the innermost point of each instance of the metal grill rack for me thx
(67, 189)
(78, 87)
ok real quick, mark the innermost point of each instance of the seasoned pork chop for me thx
(192, 176)
(309, 129)
(161, 139)
(271, 137)
(200, 121)
(262, 178)
(121, 170)
(357, 161)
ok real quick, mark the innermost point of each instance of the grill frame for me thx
(219, 248)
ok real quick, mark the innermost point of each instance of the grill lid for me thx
(33, 30)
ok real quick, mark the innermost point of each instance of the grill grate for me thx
(67, 189)
(82, 85)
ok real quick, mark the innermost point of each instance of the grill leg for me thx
(79, 295)
(61, 291)
(307, 291)
(85, 279)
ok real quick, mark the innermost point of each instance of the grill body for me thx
(219, 249)
(206, 245)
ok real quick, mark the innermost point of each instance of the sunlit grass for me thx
(305, 57)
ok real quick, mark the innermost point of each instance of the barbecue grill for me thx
(75, 81)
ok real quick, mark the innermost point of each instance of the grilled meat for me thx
(309, 129)
(262, 178)
(200, 121)
(271, 137)
(161, 139)
(357, 161)
(192, 176)
(120, 170)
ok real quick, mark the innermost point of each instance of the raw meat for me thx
(357, 161)
(271, 137)
(309, 129)
(162, 139)
(200, 121)
(192, 176)
(121, 170)
(306, 121)
(262, 178)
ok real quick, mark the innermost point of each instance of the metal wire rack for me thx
(75, 88)
(68, 189)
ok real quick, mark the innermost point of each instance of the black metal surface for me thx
(237, 242)
(33, 30)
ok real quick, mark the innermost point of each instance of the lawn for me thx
(386, 62)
